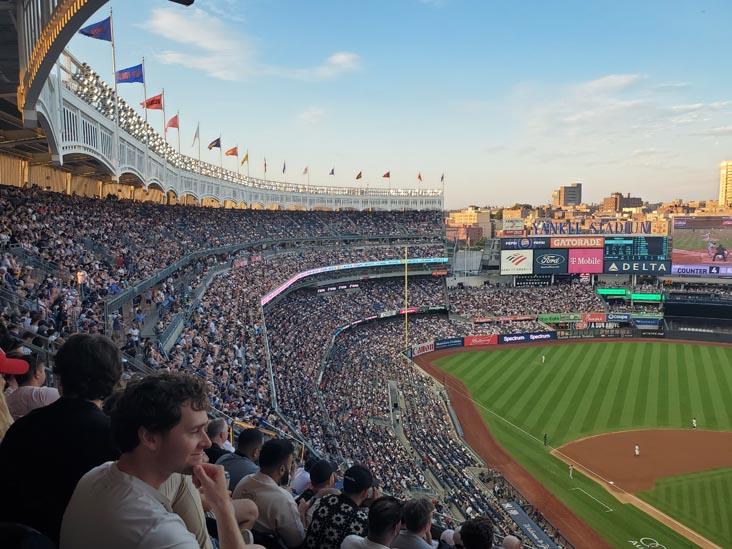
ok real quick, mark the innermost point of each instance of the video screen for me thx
(701, 245)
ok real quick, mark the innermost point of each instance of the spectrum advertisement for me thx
(526, 338)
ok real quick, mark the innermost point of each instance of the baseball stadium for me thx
(207, 359)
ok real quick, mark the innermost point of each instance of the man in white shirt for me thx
(278, 513)
(385, 517)
(159, 424)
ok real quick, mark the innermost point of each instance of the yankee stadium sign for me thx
(598, 227)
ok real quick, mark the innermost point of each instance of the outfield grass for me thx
(591, 388)
(703, 501)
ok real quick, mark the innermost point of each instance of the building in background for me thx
(725, 183)
(570, 195)
(616, 202)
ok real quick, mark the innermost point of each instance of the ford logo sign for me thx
(550, 259)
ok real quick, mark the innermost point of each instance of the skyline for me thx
(509, 101)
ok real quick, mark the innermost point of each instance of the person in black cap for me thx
(339, 516)
(322, 479)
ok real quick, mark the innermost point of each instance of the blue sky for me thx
(509, 99)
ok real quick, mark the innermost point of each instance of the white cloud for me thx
(718, 131)
(688, 108)
(311, 116)
(209, 45)
(610, 84)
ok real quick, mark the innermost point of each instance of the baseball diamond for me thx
(589, 389)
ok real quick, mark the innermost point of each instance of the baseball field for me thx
(595, 402)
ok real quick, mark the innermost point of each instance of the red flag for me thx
(387, 175)
(419, 176)
(359, 175)
(154, 103)
(233, 151)
(172, 123)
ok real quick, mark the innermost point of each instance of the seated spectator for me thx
(385, 519)
(278, 513)
(511, 542)
(418, 521)
(56, 445)
(338, 516)
(8, 366)
(322, 479)
(218, 431)
(185, 501)
(302, 476)
(31, 392)
(159, 425)
(477, 533)
(241, 462)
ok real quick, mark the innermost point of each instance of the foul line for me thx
(609, 510)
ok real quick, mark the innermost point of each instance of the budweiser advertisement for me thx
(585, 261)
(471, 341)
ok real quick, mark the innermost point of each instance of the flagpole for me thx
(144, 92)
(238, 167)
(116, 96)
(165, 138)
(221, 155)
(177, 116)
(199, 145)
(406, 300)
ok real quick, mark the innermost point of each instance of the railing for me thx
(88, 86)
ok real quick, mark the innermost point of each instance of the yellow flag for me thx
(245, 159)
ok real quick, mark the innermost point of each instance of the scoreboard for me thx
(636, 248)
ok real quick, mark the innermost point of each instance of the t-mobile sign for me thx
(585, 261)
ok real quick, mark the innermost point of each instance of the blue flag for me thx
(100, 31)
(332, 171)
(130, 74)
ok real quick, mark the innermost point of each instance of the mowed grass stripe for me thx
(508, 401)
(704, 387)
(620, 392)
(619, 354)
(642, 391)
(631, 391)
(504, 381)
(650, 414)
(714, 389)
(663, 401)
(685, 405)
(723, 369)
(538, 399)
(598, 395)
(578, 403)
(549, 415)
(674, 393)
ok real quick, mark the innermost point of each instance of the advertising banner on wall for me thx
(560, 317)
(516, 262)
(448, 343)
(585, 261)
(422, 348)
(531, 530)
(701, 270)
(471, 341)
(513, 224)
(617, 317)
(578, 242)
(637, 267)
(526, 338)
(594, 317)
(524, 243)
(550, 261)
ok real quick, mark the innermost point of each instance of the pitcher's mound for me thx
(663, 453)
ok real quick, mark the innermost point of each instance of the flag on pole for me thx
(387, 175)
(332, 171)
(197, 135)
(284, 167)
(305, 171)
(100, 31)
(359, 175)
(216, 143)
(173, 123)
(245, 159)
(442, 179)
(419, 176)
(154, 103)
(233, 151)
(130, 75)
(265, 165)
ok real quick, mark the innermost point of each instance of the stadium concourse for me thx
(321, 368)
